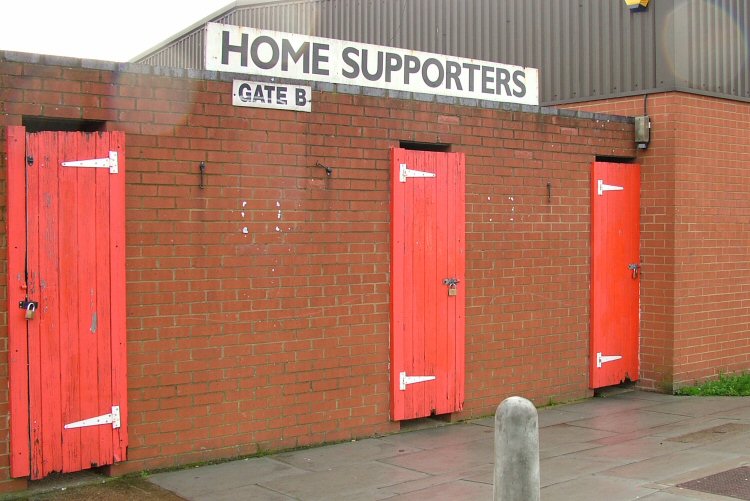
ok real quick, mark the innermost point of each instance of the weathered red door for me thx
(615, 273)
(66, 261)
(427, 283)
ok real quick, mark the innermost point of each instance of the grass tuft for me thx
(725, 386)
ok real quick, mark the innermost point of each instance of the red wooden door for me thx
(615, 273)
(427, 312)
(66, 232)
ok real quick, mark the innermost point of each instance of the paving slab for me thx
(436, 438)
(453, 491)
(694, 425)
(561, 439)
(681, 495)
(561, 469)
(429, 481)
(551, 416)
(698, 407)
(596, 407)
(629, 420)
(740, 413)
(661, 469)
(595, 487)
(458, 457)
(206, 481)
(634, 450)
(332, 456)
(360, 480)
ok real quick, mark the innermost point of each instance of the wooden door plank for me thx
(17, 339)
(453, 218)
(48, 316)
(458, 167)
(431, 163)
(36, 376)
(100, 327)
(634, 256)
(442, 365)
(117, 293)
(69, 306)
(398, 328)
(598, 298)
(419, 219)
(85, 217)
(408, 273)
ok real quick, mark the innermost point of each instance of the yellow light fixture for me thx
(637, 4)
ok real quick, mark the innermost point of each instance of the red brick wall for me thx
(696, 248)
(278, 337)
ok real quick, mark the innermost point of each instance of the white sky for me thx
(96, 29)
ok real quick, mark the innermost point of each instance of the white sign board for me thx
(271, 95)
(239, 49)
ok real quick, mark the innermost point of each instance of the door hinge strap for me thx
(405, 380)
(603, 359)
(404, 173)
(601, 187)
(106, 163)
(113, 418)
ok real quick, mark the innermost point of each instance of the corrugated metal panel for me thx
(185, 52)
(585, 49)
(716, 59)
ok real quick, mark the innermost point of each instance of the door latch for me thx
(634, 268)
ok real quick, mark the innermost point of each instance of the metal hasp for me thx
(404, 173)
(25, 304)
(105, 163)
(405, 380)
(603, 359)
(606, 187)
(112, 418)
(634, 268)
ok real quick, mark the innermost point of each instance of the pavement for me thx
(620, 446)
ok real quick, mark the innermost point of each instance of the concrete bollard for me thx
(516, 451)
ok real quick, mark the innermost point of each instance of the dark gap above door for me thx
(42, 124)
(410, 145)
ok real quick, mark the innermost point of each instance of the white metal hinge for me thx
(406, 380)
(112, 418)
(105, 163)
(607, 187)
(603, 359)
(404, 173)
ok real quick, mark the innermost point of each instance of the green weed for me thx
(725, 386)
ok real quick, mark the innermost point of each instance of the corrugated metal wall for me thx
(715, 41)
(585, 49)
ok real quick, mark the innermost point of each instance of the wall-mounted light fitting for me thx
(637, 5)
(642, 131)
